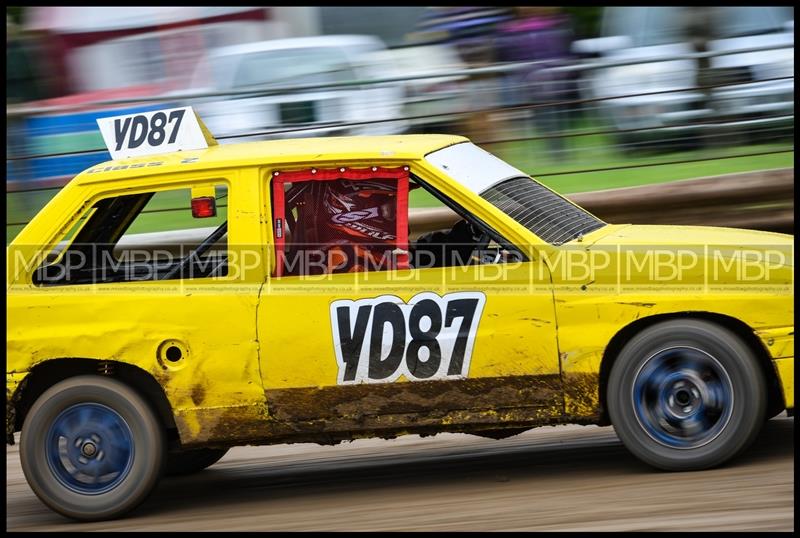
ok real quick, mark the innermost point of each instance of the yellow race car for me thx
(187, 297)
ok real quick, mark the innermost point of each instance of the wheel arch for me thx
(775, 402)
(47, 373)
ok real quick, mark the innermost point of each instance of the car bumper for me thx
(785, 369)
(780, 344)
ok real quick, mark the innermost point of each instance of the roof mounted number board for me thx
(155, 132)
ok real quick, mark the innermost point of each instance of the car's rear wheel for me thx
(91, 448)
(193, 461)
(686, 394)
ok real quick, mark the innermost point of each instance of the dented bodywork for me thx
(257, 359)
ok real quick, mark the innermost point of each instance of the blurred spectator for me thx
(471, 30)
(542, 35)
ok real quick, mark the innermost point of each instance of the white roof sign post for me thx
(151, 133)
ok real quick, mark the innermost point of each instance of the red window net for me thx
(340, 220)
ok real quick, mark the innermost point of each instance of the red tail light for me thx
(204, 207)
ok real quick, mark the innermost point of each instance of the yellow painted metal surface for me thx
(779, 341)
(644, 271)
(250, 337)
(785, 369)
(213, 322)
(287, 153)
(514, 337)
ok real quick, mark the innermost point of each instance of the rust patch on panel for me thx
(198, 393)
(356, 402)
(222, 426)
(332, 414)
(11, 417)
(12, 400)
(495, 407)
(581, 397)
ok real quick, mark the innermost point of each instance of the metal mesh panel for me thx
(356, 219)
(543, 212)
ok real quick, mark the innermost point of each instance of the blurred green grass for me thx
(517, 154)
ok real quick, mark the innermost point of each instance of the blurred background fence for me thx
(650, 99)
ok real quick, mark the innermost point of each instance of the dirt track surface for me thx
(553, 478)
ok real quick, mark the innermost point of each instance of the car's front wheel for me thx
(91, 448)
(686, 394)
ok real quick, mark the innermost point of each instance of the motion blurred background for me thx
(585, 99)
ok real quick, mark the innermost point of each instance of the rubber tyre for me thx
(746, 380)
(147, 436)
(193, 461)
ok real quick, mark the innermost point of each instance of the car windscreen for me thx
(548, 215)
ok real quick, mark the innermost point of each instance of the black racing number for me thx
(424, 339)
(429, 337)
(120, 130)
(157, 124)
(381, 368)
(177, 117)
(465, 309)
(351, 343)
(137, 129)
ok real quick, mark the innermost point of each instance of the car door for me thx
(110, 292)
(410, 345)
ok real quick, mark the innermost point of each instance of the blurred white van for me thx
(268, 72)
(435, 92)
(662, 34)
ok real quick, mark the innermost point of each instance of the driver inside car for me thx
(351, 226)
(351, 223)
(445, 248)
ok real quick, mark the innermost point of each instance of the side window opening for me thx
(344, 221)
(443, 234)
(340, 220)
(56, 254)
(141, 237)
